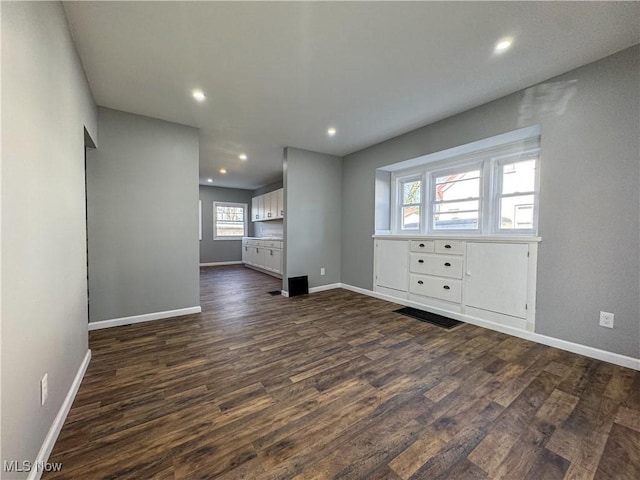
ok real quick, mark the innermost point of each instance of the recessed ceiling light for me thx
(199, 95)
(503, 45)
(331, 131)
(209, 180)
(242, 156)
(223, 170)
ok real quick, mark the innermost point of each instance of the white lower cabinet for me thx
(489, 279)
(391, 267)
(265, 255)
(496, 278)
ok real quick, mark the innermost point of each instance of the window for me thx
(229, 220)
(488, 191)
(515, 199)
(411, 191)
(456, 199)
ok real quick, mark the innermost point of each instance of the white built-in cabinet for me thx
(486, 279)
(263, 254)
(269, 206)
(391, 265)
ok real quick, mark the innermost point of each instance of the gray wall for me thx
(46, 102)
(268, 188)
(589, 202)
(313, 206)
(142, 193)
(211, 250)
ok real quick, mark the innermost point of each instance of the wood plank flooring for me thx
(336, 385)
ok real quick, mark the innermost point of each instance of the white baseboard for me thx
(116, 322)
(322, 288)
(58, 422)
(219, 264)
(615, 358)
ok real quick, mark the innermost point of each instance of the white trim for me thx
(146, 317)
(322, 288)
(58, 422)
(284, 293)
(611, 357)
(219, 264)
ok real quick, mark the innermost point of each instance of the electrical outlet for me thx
(322, 271)
(606, 319)
(44, 388)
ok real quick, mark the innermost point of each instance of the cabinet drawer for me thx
(440, 265)
(425, 246)
(436, 287)
(272, 244)
(450, 247)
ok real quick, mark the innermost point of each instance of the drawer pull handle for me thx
(447, 246)
(421, 245)
(447, 264)
(420, 282)
(420, 261)
(447, 287)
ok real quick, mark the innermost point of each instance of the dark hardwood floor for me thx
(336, 385)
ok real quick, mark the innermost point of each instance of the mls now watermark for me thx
(17, 466)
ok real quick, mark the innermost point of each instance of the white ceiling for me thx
(279, 74)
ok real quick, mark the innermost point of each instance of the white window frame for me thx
(235, 205)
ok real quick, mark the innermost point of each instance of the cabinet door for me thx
(253, 255)
(266, 202)
(280, 203)
(277, 261)
(269, 263)
(255, 212)
(496, 277)
(270, 205)
(391, 264)
(261, 256)
(261, 212)
(245, 253)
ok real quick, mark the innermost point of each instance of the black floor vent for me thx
(428, 317)
(273, 293)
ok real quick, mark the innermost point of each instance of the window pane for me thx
(229, 221)
(411, 192)
(456, 206)
(518, 177)
(516, 213)
(458, 186)
(456, 221)
(410, 218)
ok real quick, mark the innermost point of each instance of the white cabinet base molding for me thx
(490, 279)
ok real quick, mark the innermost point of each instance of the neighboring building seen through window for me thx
(229, 220)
